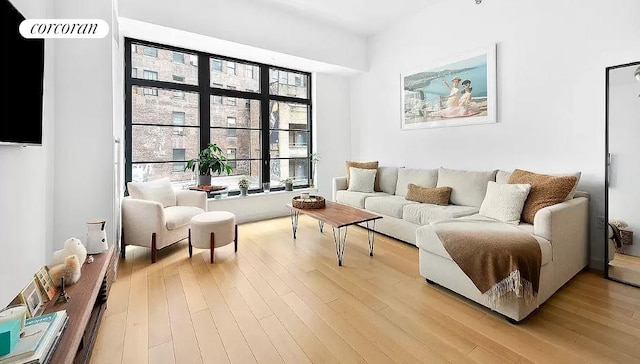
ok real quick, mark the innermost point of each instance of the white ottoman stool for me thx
(211, 230)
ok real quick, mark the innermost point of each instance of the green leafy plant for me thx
(243, 182)
(211, 160)
(287, 180)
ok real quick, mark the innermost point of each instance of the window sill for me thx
(258, 195)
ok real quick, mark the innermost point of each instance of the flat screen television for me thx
(22, 81)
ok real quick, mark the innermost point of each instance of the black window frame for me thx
(205, 92)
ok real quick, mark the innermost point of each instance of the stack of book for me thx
(41, 335)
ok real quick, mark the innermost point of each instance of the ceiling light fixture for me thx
(478, 2)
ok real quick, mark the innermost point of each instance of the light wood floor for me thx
(280, 300)
(625, 268)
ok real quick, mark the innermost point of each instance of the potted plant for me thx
(211, 160)
(288, 183)
(243, 184)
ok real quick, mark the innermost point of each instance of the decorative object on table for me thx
(72, 246)
(69, 270)
(453, 92)
(288, 183)
(9, 336)
(14, 313)
(314, 158)
(32, 297)
(96, 237)
(45, 283)
(304, 195)
(90, 259)
(41, 337)
(311, 202)
(63, 296)
(243, 185)
(211, 160)
(625, 236)
(266, 187)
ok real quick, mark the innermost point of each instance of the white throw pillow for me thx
(159, 190)
(505, 202)
(362, 180)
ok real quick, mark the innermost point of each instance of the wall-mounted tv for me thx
(21, 82)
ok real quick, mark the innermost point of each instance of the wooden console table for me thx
(85, 309)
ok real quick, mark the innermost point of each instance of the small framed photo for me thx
(32, 297)
(45, 283)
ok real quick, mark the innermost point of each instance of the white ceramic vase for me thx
(96, 237)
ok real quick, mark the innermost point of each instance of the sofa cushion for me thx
(355, 199)
(387, 205)
(503, 177)
(179, 216)
(433, 195)
(388, 177)
(428, 240)
(363, 165)
(469, 187)
(504, 201)
(159, 190)
(424, 213)
(420, 177)
(546, 190)
(361, 179)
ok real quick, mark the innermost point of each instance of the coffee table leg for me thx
(294, 222)
(321, 225)
(371, 234)
(340, 240)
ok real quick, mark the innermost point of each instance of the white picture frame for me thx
(429, 98)
(32, 297)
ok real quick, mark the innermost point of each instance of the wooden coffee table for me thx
(340, 217)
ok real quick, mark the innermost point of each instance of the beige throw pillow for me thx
(159, 190)
(432, 195)
(545, 191)
(364, 165)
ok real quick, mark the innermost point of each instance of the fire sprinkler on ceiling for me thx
(478, 2)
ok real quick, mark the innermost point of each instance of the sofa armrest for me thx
(140, 219)
(191, 198)
(566, 226)
(338, 184)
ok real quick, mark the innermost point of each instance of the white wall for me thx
(624, 129)
(256, 24)
(551, 65)
(26, 208)
(331, 135)
(84, 181)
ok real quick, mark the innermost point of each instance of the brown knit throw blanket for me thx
(502, 261)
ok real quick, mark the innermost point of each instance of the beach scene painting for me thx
(460, 91)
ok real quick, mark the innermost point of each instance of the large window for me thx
(259, 115)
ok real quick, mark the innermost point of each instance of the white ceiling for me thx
(365, 17)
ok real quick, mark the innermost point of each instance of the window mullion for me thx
(205, 106)
(264, 121)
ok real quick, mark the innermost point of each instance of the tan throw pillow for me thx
(545, 191)
(433, 195)
(364, 165)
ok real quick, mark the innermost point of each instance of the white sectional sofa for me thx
(562, 230)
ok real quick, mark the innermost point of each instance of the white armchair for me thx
(155, 216)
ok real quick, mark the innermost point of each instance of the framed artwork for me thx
(458, 91)
(48, 289)
(32, 297)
